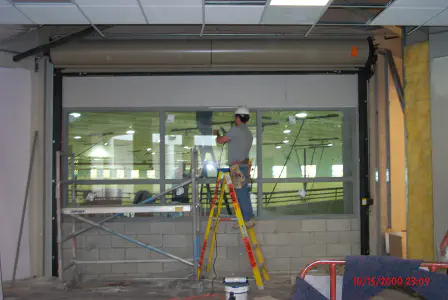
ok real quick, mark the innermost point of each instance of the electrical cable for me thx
(286, 161)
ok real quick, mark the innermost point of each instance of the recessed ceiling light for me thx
(301, 115)
(130, 132)
(299, 2)
(148, 149)
(105, 144)
(286, 131)
(75, 115)
(77, 137)
(278, 147)
(286, 141)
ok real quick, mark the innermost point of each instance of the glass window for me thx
(194, 129)
(300, 140)
(114, 145)
(302, 198)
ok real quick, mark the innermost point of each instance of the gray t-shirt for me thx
(240, 142)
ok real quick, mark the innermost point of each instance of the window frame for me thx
(350, 142)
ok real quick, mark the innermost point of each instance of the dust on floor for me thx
(154, 289)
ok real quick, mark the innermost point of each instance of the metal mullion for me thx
(259, 147)
(162, 152)
(116, 181)
(317, 179)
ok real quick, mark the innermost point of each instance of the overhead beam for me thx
(62, 41)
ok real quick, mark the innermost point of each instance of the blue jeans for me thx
(244, 197)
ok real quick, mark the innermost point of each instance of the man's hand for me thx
(215, 132)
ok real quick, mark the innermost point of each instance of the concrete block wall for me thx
(286, 244)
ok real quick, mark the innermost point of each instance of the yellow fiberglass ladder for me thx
(247, 234)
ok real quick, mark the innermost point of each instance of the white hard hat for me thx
(242, 110)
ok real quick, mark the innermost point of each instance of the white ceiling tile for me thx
(292, 15)
(4, 3)
(174, 15)
(405, 16)
(440, 20)
(53, 14)
(419, 3)
(171, 2)
(10, 15)
(107, 2)
(114, 14)
(233, 14)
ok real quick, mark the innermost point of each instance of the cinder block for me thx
(222, 265)
(150, 268)
(183, 227)
(268, 251)
(314, 225)
(137, 253)
(338, 225)
(339, 249)
(122, 243)
(276, 239)
(289, 251)
(279, 264)
(326, 237)
(314, 251)
(86, 254)
(349, 237)
(265, 227)
(297, 264)
(181, 252)
(152, 240)
(116, 226)
(97, 269)
(128, 268)
(228, 228)
(225, 239)
(137, 227)
(355, 224)
(98, 241)
(112, 254)
(289, 226)
(303, 238)
(234, 252)
(80, 243)
(162, 228)
(177, 240)
(356, 249)
(175, 266)
(67, 257)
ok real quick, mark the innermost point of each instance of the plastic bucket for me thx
(239, 291)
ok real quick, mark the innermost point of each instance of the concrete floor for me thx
(51, 289)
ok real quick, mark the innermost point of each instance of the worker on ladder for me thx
(240, 138)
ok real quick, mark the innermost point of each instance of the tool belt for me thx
(238, 178)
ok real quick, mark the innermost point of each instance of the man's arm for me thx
(221, 139)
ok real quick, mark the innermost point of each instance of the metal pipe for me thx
(140, 261)
(58, 213)
(95, 224)
(195, 206)
(25, 202)
(118, 214)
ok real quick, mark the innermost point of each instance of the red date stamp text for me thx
(386, 281)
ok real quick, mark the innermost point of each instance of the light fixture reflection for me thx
(278, 147)
(77, 137)
(130, 132)
(75, 115)
(286, 131)
(301, 115)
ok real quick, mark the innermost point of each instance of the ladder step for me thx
(225, 219)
